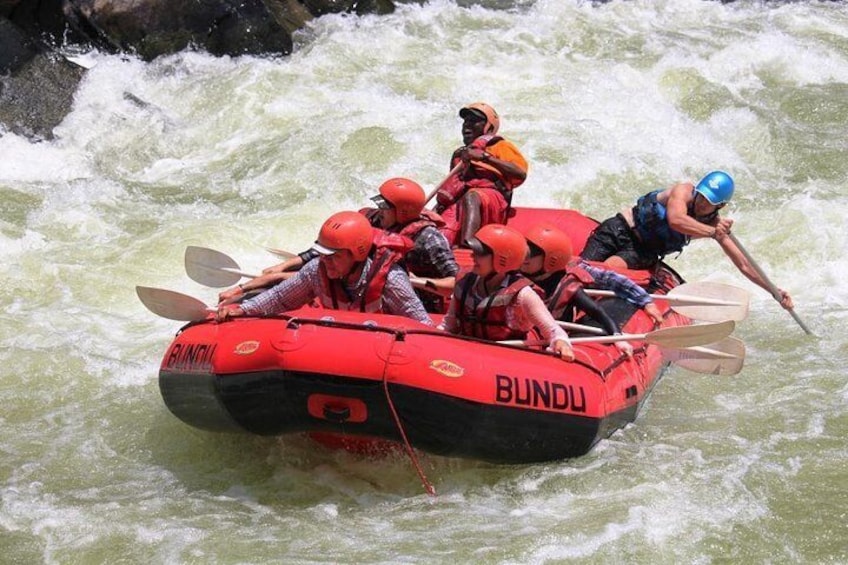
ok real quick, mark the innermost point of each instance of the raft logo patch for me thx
(447, 368)
(246, 348)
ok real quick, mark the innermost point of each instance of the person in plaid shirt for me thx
(400, 210)
(355, 271)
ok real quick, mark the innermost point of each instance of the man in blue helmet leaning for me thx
(665, 221)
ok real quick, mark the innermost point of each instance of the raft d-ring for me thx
(337, 414)
(294, 336)
(337, 409)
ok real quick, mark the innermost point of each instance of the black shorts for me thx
(614, 237)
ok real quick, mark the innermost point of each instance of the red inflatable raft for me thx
(382, 377)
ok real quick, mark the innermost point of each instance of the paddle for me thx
(676, 337)
(709, 301)
(775, 292)
(697, 300)
(725, 357)
(173, 305)
(212, 268)
(282, 253)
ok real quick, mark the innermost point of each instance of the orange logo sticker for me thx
(246, 347)
(447, 368)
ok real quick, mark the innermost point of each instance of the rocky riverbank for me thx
(37, 82)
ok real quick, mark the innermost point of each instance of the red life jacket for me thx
(427, 218)
(388, 250)
(486, 318)
(576, 277)
(475, 175)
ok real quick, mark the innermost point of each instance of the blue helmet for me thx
(717, 187)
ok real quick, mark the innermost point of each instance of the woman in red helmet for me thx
(553, 268)
(495, 301)
(354, 272)
(481, 191)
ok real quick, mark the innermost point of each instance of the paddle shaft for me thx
(441, 184)
(237, 272)
(775, 292)
(679, 336)
(679, 299)
(695, 349)
(709, 352)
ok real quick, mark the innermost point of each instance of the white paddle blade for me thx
(709, 301)
(688, 336)
(210, 267)
(725, 357)
(172, 305)
(678, 336)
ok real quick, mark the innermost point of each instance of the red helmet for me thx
(508, 247)
(555, 244)
(493, 122)
(345, 230)
(405, 195)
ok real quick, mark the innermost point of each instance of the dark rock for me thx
(44, 21)
(156, 27)
(38, 96)
(16, 49)
(361, 7)
(291, 15)
(6, 7)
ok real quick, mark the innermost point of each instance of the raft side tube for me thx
(194, 399)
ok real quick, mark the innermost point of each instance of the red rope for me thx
(409, 451)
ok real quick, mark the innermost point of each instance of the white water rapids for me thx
(607, 102)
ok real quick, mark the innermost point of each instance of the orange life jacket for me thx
(476, 175)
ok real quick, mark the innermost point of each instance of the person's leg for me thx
(616, 262)
(615, 243)
(469, 213)
(603, 242)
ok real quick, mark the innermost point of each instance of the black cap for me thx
(463, 113)
(381, 202)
